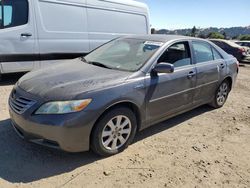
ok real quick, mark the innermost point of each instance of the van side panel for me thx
(104, 25)
(62, 28)
(109, 19)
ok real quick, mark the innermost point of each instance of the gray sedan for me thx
(102, 100)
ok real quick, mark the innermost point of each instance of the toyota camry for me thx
(102, 100)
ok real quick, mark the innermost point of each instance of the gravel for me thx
(201, 148)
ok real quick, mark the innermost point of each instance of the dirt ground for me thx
(201, 148)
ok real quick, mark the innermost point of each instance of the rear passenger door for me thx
(17, 36)
(208, 64)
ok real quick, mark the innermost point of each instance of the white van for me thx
(34, 33)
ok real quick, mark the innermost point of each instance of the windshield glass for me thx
(124, 54)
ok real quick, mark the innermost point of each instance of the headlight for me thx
(63, 107)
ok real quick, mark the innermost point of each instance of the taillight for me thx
(242, 50)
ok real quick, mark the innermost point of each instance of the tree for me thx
(235, 37)
(215, 35)
(201, 35)
(225, 35)
(194, 31)
(244, 37)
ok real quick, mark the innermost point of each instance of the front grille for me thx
(20, 104)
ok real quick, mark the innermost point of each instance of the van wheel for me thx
(114, 131)
(221, 95)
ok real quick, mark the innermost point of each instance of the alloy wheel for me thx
(222, 94)
(116, 132)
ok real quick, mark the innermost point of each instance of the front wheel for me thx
(221, 95)
(113, 132)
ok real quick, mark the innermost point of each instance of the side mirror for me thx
(164, 68)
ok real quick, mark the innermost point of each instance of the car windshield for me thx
(123, 54)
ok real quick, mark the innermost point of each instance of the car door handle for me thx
(25, 35)
(191, 74)
(222, 65)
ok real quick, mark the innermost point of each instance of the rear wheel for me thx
(221, 95)
(114, 131)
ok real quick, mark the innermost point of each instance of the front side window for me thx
(13, 13)
(124, 54)
(177, 54)
(203, 52)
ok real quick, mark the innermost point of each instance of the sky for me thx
(181, 14)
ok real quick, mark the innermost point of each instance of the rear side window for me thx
(216, 54)
(220, 44)
(13, 13)
(203, 52)
(246, 44)
(178, 54)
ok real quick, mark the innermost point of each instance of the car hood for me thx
(69, 79)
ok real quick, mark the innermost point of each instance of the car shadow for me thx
(172, 122)
(23, 162)
(10, 79)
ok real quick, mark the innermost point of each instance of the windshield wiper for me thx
(95, 63)
(83, 59)
(99, 64)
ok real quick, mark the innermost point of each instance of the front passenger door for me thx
(173, 92)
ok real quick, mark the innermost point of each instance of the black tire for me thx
(217, 103)
(97, 139)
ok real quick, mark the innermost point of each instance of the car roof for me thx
(246, 41)
(160, 37)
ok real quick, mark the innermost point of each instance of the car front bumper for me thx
(68, 132)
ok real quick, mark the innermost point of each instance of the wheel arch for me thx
(128, 104)
(229, 80)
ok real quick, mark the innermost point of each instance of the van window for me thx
(13, 13)
(7, 15)
(203, 52)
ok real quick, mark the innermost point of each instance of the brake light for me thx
(242, 50)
